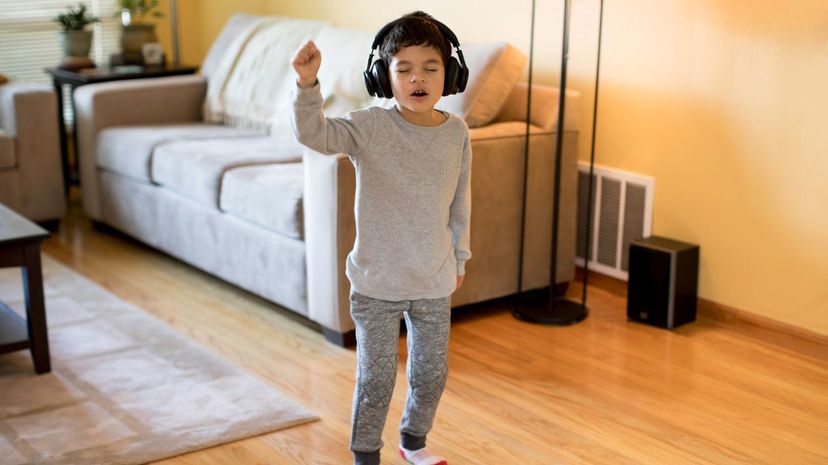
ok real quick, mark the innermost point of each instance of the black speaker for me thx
(663, 282)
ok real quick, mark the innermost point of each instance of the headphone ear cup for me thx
(370, 86)
(462, 78)
(379, 73)
(453, 72)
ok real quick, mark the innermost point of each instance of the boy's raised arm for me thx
(309, 124)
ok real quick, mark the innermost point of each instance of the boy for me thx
(412, 209)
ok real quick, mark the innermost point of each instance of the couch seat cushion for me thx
(7, 158)
(267, 195)
(195, 168)
(127, 150)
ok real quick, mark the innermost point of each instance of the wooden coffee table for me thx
(20, 247)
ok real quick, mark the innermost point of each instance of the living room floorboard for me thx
(604, 391)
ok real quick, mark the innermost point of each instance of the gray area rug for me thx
(124, 387)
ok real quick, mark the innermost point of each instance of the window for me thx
(29, 38)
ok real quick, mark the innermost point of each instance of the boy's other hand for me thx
(306, 62)
(460, 281)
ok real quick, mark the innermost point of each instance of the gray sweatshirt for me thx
(413, 196)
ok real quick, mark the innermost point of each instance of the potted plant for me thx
(74, 38)
(136, 31)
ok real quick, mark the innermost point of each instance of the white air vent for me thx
(623, 212)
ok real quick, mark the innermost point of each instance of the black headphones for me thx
(376, 72)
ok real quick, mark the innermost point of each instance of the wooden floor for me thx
(602, 392)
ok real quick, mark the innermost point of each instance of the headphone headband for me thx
(376, 80)
(447, 33)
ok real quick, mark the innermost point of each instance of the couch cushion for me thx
(233, 28)
(340, 77)
(267, 195)
(127, 150)
(494, 69)
(252, 83)
(544, 107)
(195, 168)
(7, 158)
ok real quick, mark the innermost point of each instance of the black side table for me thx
(20, 247)
(82, 77)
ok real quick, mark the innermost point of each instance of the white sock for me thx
(422, 457)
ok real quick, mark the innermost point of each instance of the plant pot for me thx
(75, 43)
(133, 38)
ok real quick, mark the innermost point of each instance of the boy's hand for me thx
(306, 62)
(460, 281)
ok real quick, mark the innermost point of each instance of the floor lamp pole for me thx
(554, 310)
(176, 60)
(592, 153)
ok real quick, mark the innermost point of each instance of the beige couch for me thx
(249, 205)
(31, 182)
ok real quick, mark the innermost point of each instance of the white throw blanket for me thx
(254, 79)
(252, 83)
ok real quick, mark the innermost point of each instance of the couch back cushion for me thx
(344, 53)
(494, 69)
(236, 25)
(544, 107)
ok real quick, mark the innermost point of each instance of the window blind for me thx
(29, 38)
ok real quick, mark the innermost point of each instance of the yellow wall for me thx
(722, 101)
(725, 103)
(200, 22)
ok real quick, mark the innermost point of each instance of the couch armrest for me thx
(29, 114)
(330, 230)
(175, 99)
(497, 198)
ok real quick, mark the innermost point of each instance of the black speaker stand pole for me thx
(543, 306)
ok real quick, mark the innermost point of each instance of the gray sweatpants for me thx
(377, 333)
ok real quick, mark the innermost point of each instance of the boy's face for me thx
(417, 75)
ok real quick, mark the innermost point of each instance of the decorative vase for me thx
(133, 38)
(75, 44)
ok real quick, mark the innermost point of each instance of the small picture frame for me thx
(153, 54)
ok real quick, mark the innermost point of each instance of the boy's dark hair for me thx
(414, 29)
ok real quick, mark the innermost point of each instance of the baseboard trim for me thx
(717, 312)
(751, 324)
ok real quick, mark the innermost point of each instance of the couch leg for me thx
(346, 339)
(50, 225)
(100, 226)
